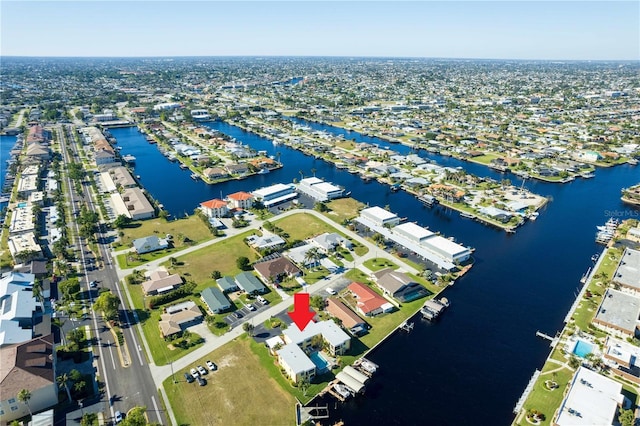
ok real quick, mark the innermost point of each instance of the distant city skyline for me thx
(541, 30)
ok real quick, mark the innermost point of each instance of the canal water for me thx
(6, 144)
(472, 365)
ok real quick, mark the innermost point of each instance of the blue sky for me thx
(453, 29)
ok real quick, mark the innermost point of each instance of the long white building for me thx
(319, 190)
(275, 194)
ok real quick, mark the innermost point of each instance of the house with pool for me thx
(300, 359)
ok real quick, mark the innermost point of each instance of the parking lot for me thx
(245, 312)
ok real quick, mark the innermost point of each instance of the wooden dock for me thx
(553, 340)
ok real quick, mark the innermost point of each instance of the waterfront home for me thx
(275, 194)
(215, 173)
(276, 270)
(24, 247)
(592, 399)
(149, 244)
(623, 358)
(121, 177)
(328, 242)
(160, 281)
(136, 204)
(28, 365)
(215, 208)
(627, 274)
(176, 318)
(348, 318)
(248, 283)
(103, 156)
(618, 314)
(215, 300)
(379, 216)
(38, 152)
(399, 285)
(240, 200)
(319, 190)
(368, 302)
(237, 169)
(296, 363)
(227, 284)
(335, 339)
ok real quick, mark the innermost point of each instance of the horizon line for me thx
(317, 56)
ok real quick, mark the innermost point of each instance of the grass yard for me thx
(544, 400)
(220, 256)
(241, 392)
(379, 263)
(192, 227)
(302, 226)
(343, 208)
(484, 159)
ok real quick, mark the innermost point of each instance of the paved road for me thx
(212, 342)
(128, 380)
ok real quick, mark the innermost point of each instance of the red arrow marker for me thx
(301, 314)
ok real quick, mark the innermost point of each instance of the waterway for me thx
(6, 144)
(472, 365)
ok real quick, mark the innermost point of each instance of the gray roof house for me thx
(215, 300)
(149, 244)
(329, 241)
(227, 284)
(249, 283)
(618, 313)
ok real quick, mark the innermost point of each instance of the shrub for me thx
(182, 291)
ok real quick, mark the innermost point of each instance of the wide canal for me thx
(472, 365)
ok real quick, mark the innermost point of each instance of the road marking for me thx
(155, 405)
(112, 361)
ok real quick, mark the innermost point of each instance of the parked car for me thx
(238, 315)
(194, 373)
(202, 381)
(118, 417)
(262, 300)
(201, 370)
(188, 377)
(331, 291)
(211, 366)
(93, 284)
(251, 307)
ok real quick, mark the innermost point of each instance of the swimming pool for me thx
(321, 363)
(21, 205)
(582, 348)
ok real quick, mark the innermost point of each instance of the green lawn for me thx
(379, 263)
(484, 159)
(192, 227)
(302, 226)
(241, 392)
(343, 209)
(221, 256)
(544, 400)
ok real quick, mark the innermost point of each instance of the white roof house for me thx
(274, 194)
(338, 341)
(380, 216)
(592, 399)
(448, 250)
(295, 362)
(17, 306)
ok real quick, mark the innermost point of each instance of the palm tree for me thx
(248, 327)
(24, 396)
(313, 254)
(63, 381)
(304, 385)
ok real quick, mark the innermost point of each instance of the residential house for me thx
(328, 242)
(368, 302)
(160, 281)
(379, 216)
(276, 270)
(618, 314)
(178, 317)
(215, 208)
(296, 363)
(227, 284)
(265, 242)
(237, 169)
(103, 156)
(215, 173)
(249, 283)
(215, 300)
(29, 365)
(349, 319)
(19, 308)
(137, 204)
(336, 340)
(399, 285)
(240, 200)
(149, 244)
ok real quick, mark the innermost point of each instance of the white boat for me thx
(263, 171)
(342, 390)
(467, 215)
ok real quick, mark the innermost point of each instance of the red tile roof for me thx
(240, 196)
(368, 300)
(214, 204)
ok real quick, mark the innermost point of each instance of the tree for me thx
(313, 255)
(79, 386)
(108, 303)
(121, 221)
(135, 417)
(216, 275)
(248, 327)
(89, 419)
(24, 396)
(76, 337)
(317, 302)
(243, 263)
(627, 418)
(303, 385)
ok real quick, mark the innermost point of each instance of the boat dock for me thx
(406, 326)
(306, 414)
(553, 340)
(433, 308)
